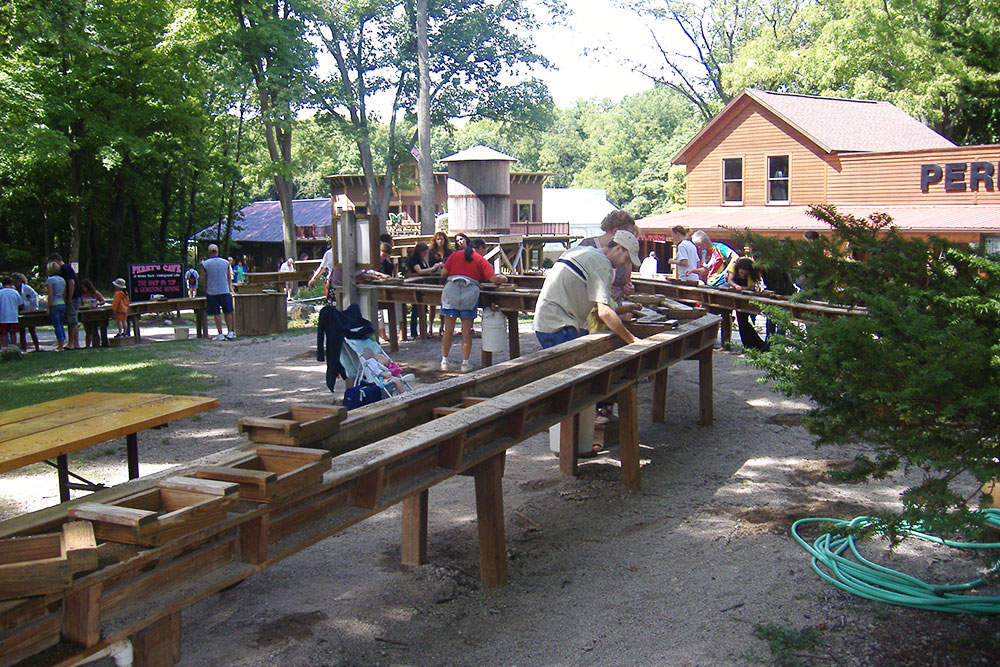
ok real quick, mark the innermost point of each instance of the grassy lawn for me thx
(47, 376)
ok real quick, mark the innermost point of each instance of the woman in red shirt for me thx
(460, 297)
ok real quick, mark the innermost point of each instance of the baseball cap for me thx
(628, 241)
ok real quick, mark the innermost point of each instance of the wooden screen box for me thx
(272, 472)
(299, 425)
(176, 507)
(46, 563)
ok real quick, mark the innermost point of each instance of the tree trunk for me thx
(279, 144)
(117, 225)
(75, 189)
(424, 162)
(166, 206)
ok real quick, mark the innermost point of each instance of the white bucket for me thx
(494, 331)
(585, 437)
(180, 333)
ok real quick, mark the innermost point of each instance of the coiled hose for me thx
(864, 578)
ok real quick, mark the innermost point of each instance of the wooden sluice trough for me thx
(138, 592)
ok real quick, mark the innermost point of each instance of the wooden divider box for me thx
(299, 425)
(46, 563)
(176, 507)
(272, 472)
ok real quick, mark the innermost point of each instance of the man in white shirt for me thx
(581, 279)
(686, 259)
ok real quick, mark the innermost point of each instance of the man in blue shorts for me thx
(217, 276)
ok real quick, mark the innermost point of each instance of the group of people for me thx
(699, 259)
(65, 295)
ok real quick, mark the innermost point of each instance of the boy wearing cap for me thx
(579, 281)
(119, 307)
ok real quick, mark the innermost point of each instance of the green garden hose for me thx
(862, 577)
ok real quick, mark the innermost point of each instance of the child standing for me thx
(10, 301)
(55, 305)
(119, 307)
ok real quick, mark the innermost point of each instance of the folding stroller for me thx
(352, 357)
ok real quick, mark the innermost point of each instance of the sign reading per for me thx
(164, 278)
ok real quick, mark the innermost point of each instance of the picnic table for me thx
(40, 432)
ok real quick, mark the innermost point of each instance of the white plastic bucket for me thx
(585, 437)
(494, 331)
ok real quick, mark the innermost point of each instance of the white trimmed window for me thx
(777, 179)
(732, 181)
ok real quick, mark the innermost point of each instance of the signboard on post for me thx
(145, 280)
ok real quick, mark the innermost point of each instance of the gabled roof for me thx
(479, 152)
(834, 124)
(261, 221)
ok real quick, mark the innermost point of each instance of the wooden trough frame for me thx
(140, 592)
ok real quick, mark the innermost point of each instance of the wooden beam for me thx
(82, 616)
(628, 436)
(660, 396)
(159, 644)
(489, 513)
(705, 388)
(568, 429)
(413, 550)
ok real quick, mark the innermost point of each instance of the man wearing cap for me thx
(579, 281)
(217, 276)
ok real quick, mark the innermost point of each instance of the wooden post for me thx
(725, 326)
(489, 512)
(134, 319)
(414, 542)
(513, 336)
(81, 622)
(158, 644)
(705, 387)
(421, 321)
(660, 397)
(628, 436)
(252, 540)
(487, 359)
(568, 430)
(393, 331)
(348, 258)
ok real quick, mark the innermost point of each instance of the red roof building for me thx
(766, 157)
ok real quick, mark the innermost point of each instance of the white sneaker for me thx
(444, 364)
(230, 336)
(466, 366)
(218, 337)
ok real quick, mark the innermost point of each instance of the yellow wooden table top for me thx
(38, 432)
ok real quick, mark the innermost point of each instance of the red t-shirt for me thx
(477, 268)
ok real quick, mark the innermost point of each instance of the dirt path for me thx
(679, 573)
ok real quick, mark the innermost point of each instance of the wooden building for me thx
(762, 160)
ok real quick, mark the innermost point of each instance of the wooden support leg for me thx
(660, 397)
(132, 452)
(568, 429)
(487, 359)
(252, 540)
(393, 331)
(422, 321)
(705, 387)
(81, 622)
(628, 436)
(489, 511)
(62, 472)
(513, 336)
(414, 543)
(158, 645)
(726, 328)
(201, 322)
(134, 319)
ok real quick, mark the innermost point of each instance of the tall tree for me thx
(425, 162)
(476, 48)
(273, 42)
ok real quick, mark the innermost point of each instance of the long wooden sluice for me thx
(139, 592)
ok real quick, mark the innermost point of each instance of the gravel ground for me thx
(680, 573)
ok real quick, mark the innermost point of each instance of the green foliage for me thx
(785, 642)
(917, 376)
(148, 368)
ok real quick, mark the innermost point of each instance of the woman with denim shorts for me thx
(460, 297)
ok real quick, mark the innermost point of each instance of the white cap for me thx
(628, 241)
(119, 283)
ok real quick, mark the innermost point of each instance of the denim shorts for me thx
(73, 311)
(547, 340)
(218, 302)
(460, 298)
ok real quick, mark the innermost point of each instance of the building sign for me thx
(145, 280)
(958, 176)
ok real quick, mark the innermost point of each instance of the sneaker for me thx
(466, 366)
(230, 336)
(444, 364)
(218, 337)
